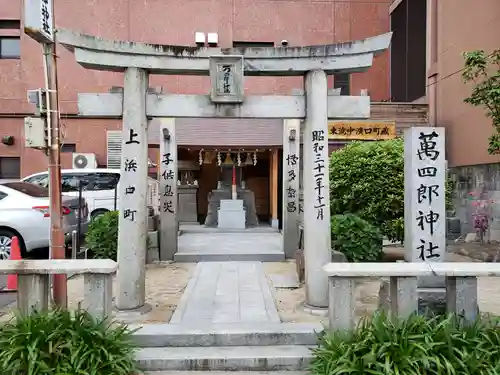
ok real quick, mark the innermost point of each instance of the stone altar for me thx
(214, 202)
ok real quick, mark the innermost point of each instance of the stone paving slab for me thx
(289, 280)
(226, 334)
(225, 358)
(226, 292)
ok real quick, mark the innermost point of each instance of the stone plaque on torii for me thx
(227, 68)
(226, 76)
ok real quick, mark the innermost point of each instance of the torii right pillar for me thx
(317, 234)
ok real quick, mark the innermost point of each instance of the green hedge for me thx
(102, 236)
(356, 238)
(367, 179)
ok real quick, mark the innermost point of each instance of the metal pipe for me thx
(115, 197)
(74, 244)
(79, 225)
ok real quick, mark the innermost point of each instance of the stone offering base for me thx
(231, 214)
(130, 316)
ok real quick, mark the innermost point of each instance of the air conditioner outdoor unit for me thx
(84, 161)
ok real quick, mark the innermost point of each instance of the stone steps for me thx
(226, 320)
(232, 334)
(234, 246)
(225, 358)
(192, 257)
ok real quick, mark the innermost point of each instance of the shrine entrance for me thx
(303, 118)
(206, 177)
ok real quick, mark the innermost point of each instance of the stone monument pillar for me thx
(425, 208)
(317, 234)
(291, 191)
(133, 225)
(168, 189)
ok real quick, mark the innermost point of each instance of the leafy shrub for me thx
(367, 179)
(102, 236)
(60, 342)
(356, 238)
(418, 345)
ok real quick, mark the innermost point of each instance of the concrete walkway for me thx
(226, 292)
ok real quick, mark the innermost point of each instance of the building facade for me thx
(426, 65)
(238, 23)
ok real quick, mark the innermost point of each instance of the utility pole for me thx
(39, 23)
(57, 248)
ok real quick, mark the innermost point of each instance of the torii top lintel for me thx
(111, 55)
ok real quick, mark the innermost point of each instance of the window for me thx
(40, 180)
(342, 82)
(68, 147)
(10, 168)
(100, 181)
(10, 24)
(70, 182)
(28, 189)
(10, 45)
(2, 195)
(252, 44)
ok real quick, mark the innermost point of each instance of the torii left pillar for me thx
(132, 227)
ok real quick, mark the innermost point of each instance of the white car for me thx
(100, 187)
(25, 213)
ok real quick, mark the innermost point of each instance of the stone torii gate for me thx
(227, 68)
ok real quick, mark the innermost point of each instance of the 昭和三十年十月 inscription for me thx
(319, 167)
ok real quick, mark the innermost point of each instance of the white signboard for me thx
(425, 214)
(38, 20)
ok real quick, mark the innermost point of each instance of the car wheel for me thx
(97, 213)
(6, 243)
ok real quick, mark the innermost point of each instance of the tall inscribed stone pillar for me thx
(317, 235)
(425, 197)
(133, 228)
(291, 190)
(168, 189)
